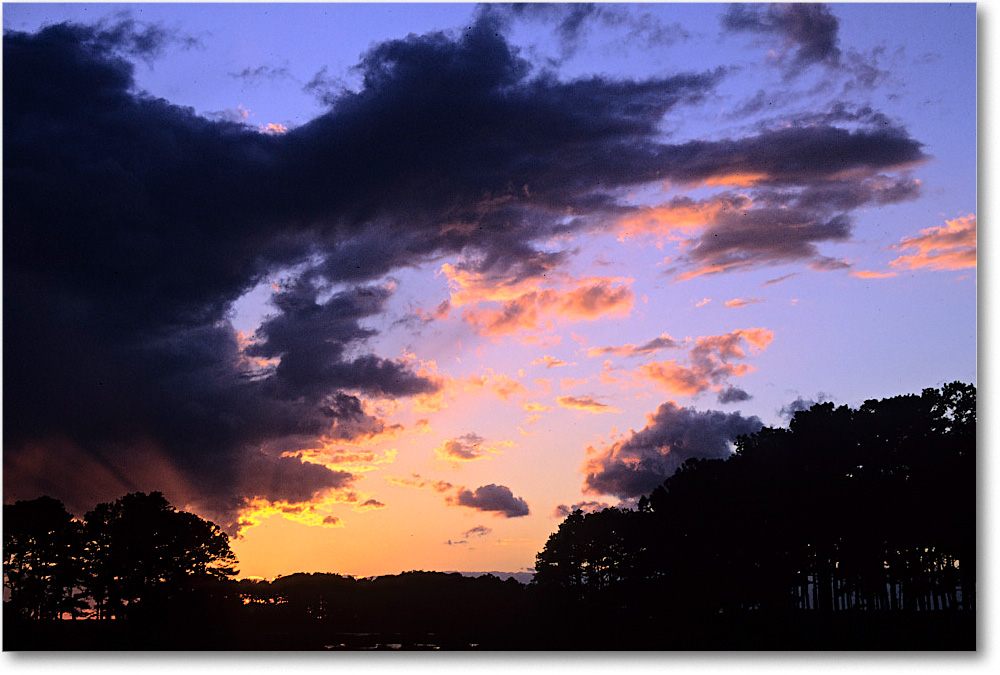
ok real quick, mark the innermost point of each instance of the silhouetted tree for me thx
(591, 553)
(42, 563)
(140, 548)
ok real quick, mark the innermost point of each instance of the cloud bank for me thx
(132, 226)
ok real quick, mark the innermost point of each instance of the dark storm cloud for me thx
(807, 30)
(132, 225)
(761, 236)
(132, 228)
(350, 421)
(732, 394)
(793, 155)
(798, 201)
(311, 337)
(287, 479)
(635, 466)
(492, 498)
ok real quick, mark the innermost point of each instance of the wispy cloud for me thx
(664, 341)
(778, 280)
(549, 362)
(265, 72)
(585, 403)
(870, 274)
(477, 531)
(808, 33)
(742, 302)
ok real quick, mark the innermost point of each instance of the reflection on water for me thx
(392, 642)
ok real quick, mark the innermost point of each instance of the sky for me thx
(392, 287)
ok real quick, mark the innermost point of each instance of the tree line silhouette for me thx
(852, 528)
(847, 510)
(122, 558)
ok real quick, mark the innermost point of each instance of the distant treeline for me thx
(853, 528)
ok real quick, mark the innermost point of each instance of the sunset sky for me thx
(392, 287)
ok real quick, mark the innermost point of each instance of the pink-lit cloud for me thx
(500, 385)
(584, 300)
(679, 215)
(467, 448)
(273, 128)
(708, 364)
(676, 379)
(439, 313)
(742, 302)
(869, 274)
(532, 302)
(664, 341)
(417, 481)
(949, 247)
(570, 382)
(585, 403)
(549, 362)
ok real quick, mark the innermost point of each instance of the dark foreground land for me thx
(797, 631)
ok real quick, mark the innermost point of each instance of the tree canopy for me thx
(137, 549)
(869, 508)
